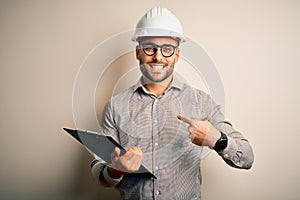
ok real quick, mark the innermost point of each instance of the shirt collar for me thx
(176, 83)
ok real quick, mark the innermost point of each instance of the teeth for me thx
(158, 67)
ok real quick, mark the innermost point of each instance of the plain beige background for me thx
(255, 46)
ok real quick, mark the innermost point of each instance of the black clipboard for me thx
(101, 145)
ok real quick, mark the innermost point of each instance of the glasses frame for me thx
(155, 47)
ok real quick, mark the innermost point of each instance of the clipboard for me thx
(101, 145)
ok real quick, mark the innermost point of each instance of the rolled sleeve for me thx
(99, 171)
(238, 154)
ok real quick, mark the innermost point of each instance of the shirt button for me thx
(155, 121)
(226, 155)
(156, 144)
(157, 192)
(156, 168)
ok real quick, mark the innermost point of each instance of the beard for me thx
(156, 75)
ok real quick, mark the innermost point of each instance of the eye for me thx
(148, 48)
(167, 48)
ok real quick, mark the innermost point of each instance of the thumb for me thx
(185, 119)
(116, 152)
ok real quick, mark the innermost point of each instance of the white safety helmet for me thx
(159, 22)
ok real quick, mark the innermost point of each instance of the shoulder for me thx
(125, 93)
(123, 96)
(194, 92)
(118, 103)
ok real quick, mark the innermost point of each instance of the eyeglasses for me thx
(167, 50)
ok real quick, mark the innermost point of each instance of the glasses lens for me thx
(167, 50)
(149, 49)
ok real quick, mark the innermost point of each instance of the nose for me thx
(158, 56)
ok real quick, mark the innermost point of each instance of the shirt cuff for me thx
(230, 151)
(109, 179)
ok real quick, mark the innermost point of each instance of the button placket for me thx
(155, 143)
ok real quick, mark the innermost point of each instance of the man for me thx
(164, 123)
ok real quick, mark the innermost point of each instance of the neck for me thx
(156, 88)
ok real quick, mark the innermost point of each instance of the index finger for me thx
(185, 119)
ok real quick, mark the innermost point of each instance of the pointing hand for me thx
(201, 133)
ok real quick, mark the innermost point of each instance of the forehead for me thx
(159, 40)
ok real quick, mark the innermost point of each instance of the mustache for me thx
(153, 63)
(156, 63)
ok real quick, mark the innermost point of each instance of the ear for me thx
(177, 55)
(137, 52)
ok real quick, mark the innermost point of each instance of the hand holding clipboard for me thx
(101, 145)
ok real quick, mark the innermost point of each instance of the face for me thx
(157, 68)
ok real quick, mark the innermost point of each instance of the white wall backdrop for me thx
(255, 46)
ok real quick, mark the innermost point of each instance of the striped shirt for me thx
(138, 118)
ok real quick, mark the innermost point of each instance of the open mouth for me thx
(156, 66)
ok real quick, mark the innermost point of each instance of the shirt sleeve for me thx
(99, 167)
(238, 153)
